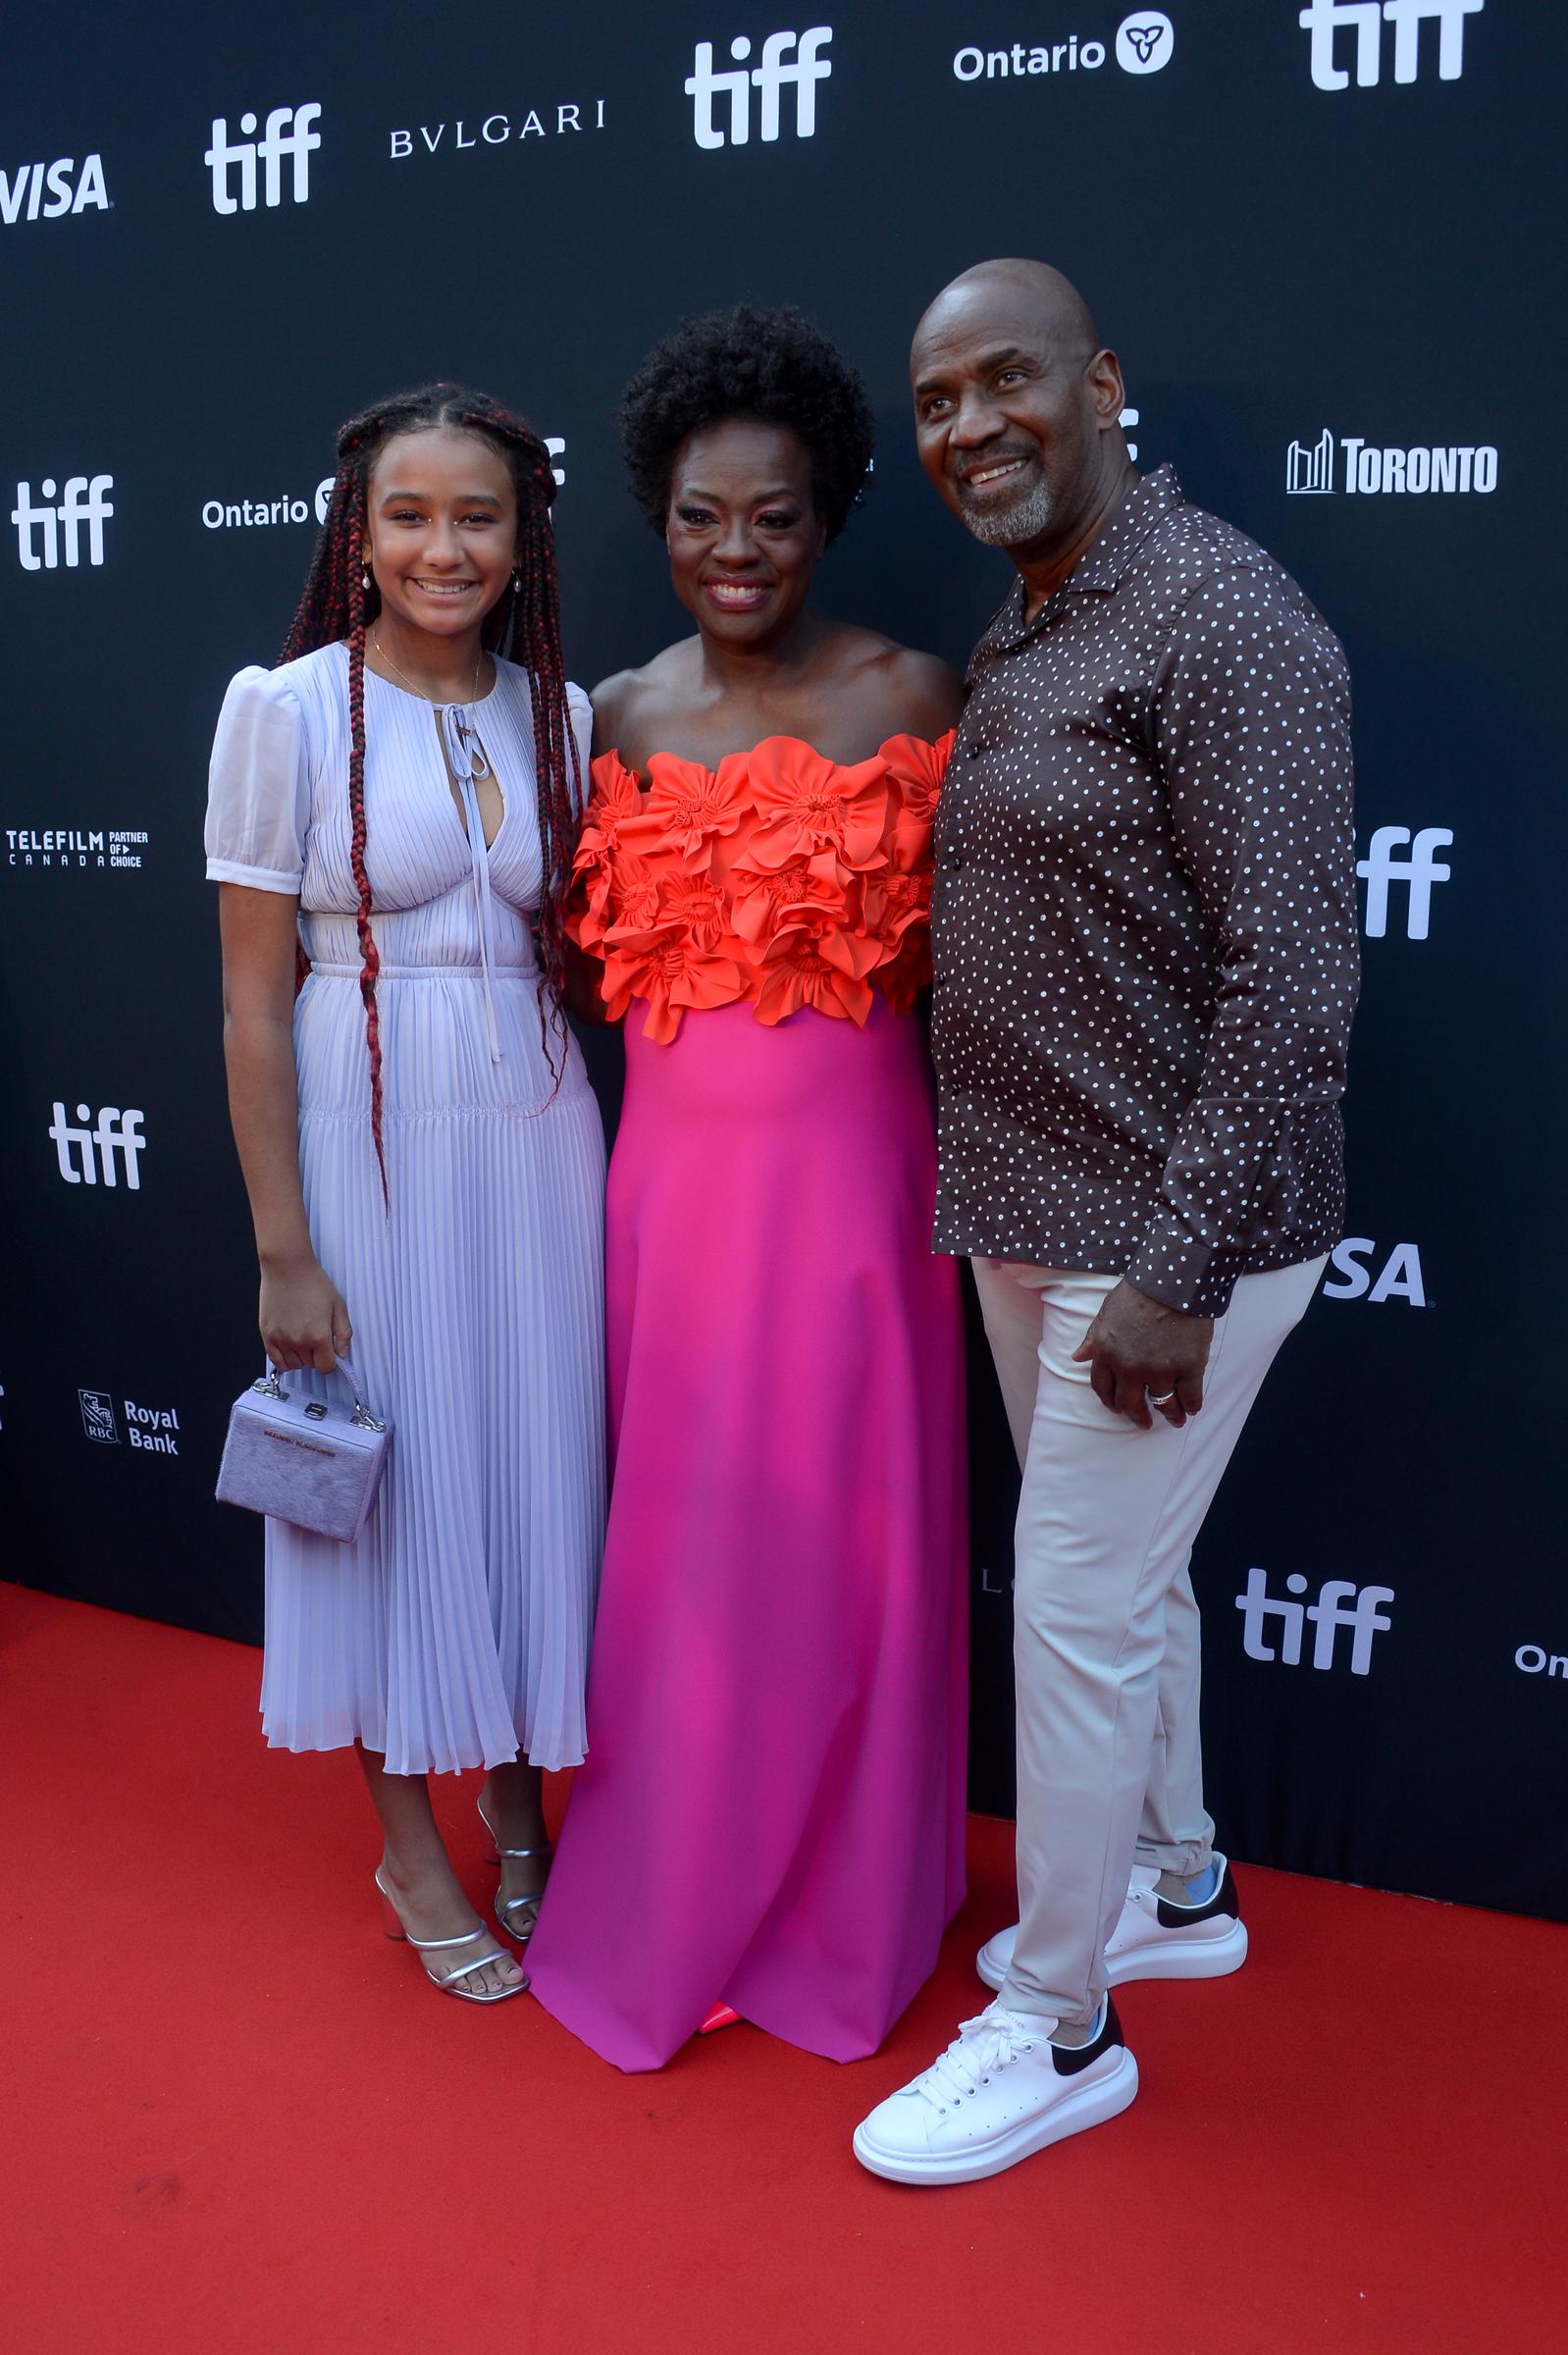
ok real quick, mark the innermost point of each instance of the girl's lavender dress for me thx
(455, 1631)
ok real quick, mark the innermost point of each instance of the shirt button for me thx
(972, 751)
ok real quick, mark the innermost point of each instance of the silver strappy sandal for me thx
(445, 1982)
(506, 1907)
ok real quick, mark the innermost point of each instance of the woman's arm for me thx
(303, 1318)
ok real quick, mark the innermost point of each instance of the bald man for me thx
(1146, 965)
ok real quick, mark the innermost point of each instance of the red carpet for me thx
(236, 2119)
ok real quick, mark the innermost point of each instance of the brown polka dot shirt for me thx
(1144, 918)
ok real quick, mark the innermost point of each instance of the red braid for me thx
(368, 950)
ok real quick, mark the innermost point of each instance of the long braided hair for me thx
(523, 623)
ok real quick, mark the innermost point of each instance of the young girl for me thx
(393, 809)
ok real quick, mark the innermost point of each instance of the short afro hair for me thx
(772, 364)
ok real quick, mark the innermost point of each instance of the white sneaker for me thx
(1001, 2091)
(1154, 1939)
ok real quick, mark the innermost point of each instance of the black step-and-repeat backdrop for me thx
(1314, 233)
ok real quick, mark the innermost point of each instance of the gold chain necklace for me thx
(479, 657)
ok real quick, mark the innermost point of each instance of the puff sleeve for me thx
(258, 793)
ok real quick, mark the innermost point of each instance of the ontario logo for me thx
(1144, 43)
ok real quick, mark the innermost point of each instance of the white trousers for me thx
(1106, 1631)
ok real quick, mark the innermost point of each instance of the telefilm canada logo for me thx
(1143, 43)
(1374, 470)
(1340, 1604)
(51, 533)
(96, 1149)
(249, 171)
(1324, 20)
(721, 97)
(50, 191)
(68, 849)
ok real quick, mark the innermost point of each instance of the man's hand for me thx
(1143, 1354)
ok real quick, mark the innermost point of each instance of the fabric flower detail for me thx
(614, 801)
(781, 877)
(918, 768)
(690, 807)
(696, 901)
(810, 962)
(809, 808)
(760, 901)
(665, 966)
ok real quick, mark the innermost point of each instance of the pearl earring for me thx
(364, 578)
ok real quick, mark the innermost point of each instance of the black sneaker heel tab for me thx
(1181, 1918)
(1068, 2059)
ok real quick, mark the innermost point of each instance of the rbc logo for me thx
(1323, 19)
(288, 132)
(806, 70)
(98, 1417)
(1380, 869)
(1400, 1279)
(85, 502)
(1328, 1615)
(116, 1134)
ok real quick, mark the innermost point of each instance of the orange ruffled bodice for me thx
(779, 877)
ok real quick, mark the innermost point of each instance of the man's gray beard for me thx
(1022, 518)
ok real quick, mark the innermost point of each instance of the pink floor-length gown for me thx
(772, 1809)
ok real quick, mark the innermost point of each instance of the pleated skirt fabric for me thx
(772, 1807)
(455, 1632)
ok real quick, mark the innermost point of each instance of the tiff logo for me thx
(1323, 19)
(807, 68)
(288, 132)
(116, 1134)
(85, 502)
(1327, 1615)
(1380, 868)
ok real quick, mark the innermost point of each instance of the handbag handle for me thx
(271, 1386)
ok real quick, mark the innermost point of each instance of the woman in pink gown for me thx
(771, 1814)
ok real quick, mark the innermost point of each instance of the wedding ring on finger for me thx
(1161, 1397)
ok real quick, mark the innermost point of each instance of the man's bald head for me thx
(1018, 409)
(1025, 291)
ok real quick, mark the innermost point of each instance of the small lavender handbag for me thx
(302, 1459)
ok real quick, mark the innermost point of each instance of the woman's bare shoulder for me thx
(921, 693)
(621, 700)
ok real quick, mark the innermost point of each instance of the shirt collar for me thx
(1112, 554)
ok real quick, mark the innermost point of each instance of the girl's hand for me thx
(304, 1321)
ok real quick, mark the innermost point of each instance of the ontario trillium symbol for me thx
(1145, 39)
